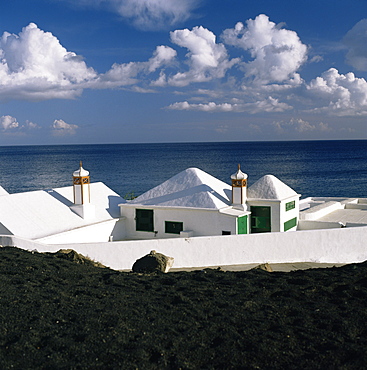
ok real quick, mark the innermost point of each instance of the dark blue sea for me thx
(312, 168)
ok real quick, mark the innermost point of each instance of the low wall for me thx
(344, 245)
(318, 225)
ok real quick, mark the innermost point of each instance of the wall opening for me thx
(260, 219)
(173, 227)
(144, 220)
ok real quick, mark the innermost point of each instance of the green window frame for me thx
(144, 220)
(290, 205)
(173, 227)
(260, 219)
(290, 223)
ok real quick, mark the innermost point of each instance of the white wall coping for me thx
(344, 245)
(320, 210)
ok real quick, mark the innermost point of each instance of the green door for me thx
(242, 225)
(260, 219)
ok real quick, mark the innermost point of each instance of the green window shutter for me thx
(144, 220)
(290, 205)
(172, 227)
(242, 225)
(260, 219)
(289, 224)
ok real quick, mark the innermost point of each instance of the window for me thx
(289, 224)
(290, 205)
(226, 232)
(144, 220)
(260, 219)
(173, 227)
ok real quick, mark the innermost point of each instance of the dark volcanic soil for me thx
(56, 314)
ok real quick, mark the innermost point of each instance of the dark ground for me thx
(56, 314)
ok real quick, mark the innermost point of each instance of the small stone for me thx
(263, 266)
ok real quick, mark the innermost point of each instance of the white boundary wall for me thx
(345, 245)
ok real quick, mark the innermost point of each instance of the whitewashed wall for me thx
(203, 222)
(344, 245)
(99, 232)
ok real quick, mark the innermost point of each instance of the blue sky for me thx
(129, 71)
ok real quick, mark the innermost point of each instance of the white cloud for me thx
(8, 123)
(148, 14)
(277, 53)
(339, 94)
(31, 125)
(356, 42)
(267, 105)
(153, 14)
(33, 65)
(206, 58)
(299, 125)
(127, 74)
(61, 128)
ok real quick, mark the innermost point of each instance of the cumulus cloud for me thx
(8, 123)
(206, 58)
(153, 14)
(31, 125)
(340, 94)
(148, 14)
(299, 125)
(61, 128)
(266, 105)
(33, 65)
(127, 73)
(277, 53)
(356, 40)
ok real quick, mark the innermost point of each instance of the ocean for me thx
(311, 168)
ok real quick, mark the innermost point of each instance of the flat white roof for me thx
(37, 214)
(357, 216)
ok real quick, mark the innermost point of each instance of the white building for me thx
(87, 217)
(194, 203)
(83, 212)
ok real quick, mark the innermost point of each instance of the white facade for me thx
(190, 204)
(194, 221)
(197, 204)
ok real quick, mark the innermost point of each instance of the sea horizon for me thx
(310, 167)
(186, 142)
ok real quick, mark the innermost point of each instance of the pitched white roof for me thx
(3, 191)
(270, 187)
(190, 188)
(37, 214)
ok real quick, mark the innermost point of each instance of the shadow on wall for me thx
(118, 232)
(113, 205)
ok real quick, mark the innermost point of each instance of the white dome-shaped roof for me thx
(81, 172)
(239, 175)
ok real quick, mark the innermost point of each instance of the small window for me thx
(226, 232)
(290, 224)
(172, 227)
(144, 220)
(290, 205)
